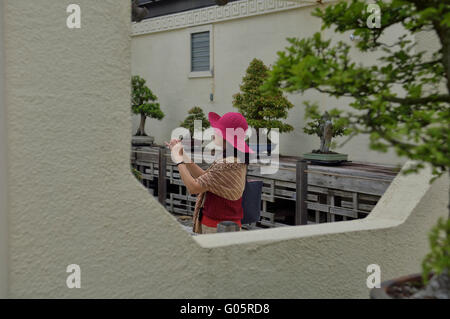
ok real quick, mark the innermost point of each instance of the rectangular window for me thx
(200, 52)
(200, 41)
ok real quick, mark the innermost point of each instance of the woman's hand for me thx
(172, 143)
(186, 156)
(178, 155)
(177, 151)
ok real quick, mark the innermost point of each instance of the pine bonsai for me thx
(143, 102)
(195, 114)
(261, 111)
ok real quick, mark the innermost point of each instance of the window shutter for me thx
(200, 51)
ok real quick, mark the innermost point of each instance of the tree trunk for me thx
(141, 129)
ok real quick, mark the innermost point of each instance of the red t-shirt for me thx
(217, 209)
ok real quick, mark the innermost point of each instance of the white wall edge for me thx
(392, 210)
(231, 11)
(3, 170)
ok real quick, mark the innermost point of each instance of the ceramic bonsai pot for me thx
(390, 289)
(326, 158)
(142, 140)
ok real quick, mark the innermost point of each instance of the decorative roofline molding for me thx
(233, 10)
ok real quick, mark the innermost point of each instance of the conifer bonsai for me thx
(143, 102)
(195, 114)
(261, 111)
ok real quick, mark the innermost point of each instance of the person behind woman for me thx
(221, 186)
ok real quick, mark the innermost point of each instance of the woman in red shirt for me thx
(221, 186)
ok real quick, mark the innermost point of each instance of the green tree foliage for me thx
(416, 121)
(438, 260)
(195, 114)
(143, 102)
(261, 111)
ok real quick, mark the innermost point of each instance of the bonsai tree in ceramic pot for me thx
(261, 110)
(143, 103)
(326, 126)
(195, 114)
(414, 122)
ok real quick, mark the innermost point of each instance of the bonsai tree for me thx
(261, 111)
(195, 114)
(326, 127)
(414, 122)
(143, 102)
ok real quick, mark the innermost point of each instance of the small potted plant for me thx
(195, 114)
(143, 102)
(326, 127)
(262, 111)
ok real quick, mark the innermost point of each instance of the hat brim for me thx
(239, 144)
(213, 119)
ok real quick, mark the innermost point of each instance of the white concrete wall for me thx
(163, 59)
(73, 200)
(3, 175)
(330, 260)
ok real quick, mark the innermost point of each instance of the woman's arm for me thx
(191, 184)
(194, 169)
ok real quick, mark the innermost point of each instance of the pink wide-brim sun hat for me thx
(231, 120)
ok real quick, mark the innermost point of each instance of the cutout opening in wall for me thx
(173, 55)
